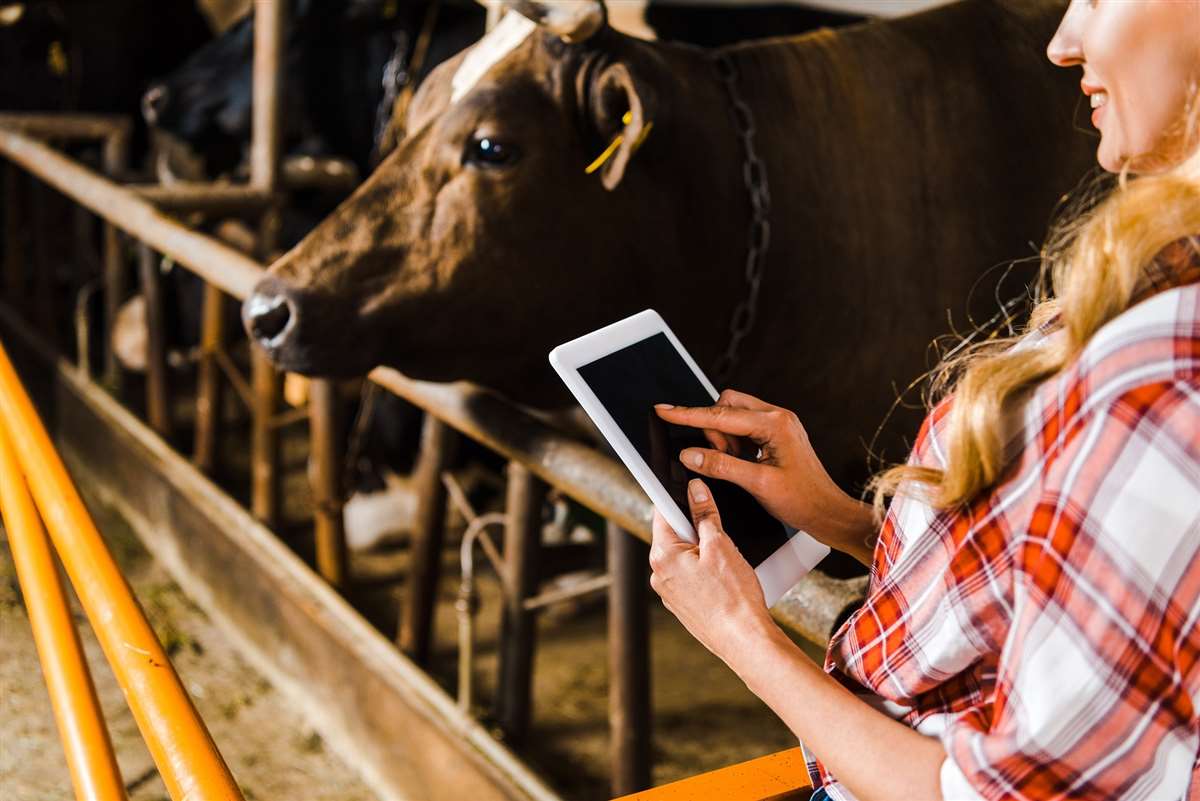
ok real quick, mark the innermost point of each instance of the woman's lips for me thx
(1099, 101)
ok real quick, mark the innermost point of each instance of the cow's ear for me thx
(622, 111)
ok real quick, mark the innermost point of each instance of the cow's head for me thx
(482, 242)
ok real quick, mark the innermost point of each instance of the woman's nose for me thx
(1066, 48)
(1064, 52)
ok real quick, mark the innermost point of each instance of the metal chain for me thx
(754, 175)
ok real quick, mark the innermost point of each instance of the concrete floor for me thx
(269, 748)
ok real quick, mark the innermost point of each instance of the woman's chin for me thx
(1109, 157)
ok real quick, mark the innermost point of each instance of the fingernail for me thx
(698, 490)
(691, 458)
(664, 406)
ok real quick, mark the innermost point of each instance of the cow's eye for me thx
(488, 152)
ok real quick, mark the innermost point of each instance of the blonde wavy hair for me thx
(1093, 267)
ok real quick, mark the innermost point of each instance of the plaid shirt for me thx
(1047, 634)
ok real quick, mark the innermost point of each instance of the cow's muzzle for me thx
(269, 314)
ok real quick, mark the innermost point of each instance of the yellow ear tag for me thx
(616, 142)
(56, 59)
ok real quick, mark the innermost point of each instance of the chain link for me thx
(754, 175)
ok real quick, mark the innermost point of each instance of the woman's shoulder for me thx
(1155, 340)
(1150, 350)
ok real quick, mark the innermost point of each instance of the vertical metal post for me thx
(158, 397)
(264, 439)
(438, 445)
(324, 476)
(43, 263)
(116, 159)
(269, 21)
(518, 627)
(628, 661)
(15, 266)
(209, 386)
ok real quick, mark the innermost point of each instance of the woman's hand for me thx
(787, 478)
(709, 586)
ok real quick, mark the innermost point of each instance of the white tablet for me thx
(617, 374)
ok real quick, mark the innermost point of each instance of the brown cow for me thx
(904, 159)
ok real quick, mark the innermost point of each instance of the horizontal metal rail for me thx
(206, 197)
(776, 777)
(73, 126)
(213, 261)
(574, 467)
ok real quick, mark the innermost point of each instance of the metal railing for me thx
(776, 777)
(574, 467)
(34, 480)
(533, 449)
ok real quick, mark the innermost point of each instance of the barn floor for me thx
(268, 746)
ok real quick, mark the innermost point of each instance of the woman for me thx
(1030, 630)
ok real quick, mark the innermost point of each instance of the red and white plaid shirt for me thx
(1047, 634)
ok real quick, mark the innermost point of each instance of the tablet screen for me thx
(628, 382)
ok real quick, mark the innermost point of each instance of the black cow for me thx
(83, 55)
(339, 55)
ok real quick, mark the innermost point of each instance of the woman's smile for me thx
(1099, 101)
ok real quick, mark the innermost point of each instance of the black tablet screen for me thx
(628, 382)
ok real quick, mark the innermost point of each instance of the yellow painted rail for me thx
(89, 753)
(776, 777)
(187, 759)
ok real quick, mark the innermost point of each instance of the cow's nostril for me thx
(153, 103)
(268, 316)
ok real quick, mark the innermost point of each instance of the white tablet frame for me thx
(781, 570)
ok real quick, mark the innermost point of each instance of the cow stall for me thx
(370, 699)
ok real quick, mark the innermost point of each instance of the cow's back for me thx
(905, 160)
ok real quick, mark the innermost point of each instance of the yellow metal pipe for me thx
(85, 741)
(188, 761)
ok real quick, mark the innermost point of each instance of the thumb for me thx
(705, 517)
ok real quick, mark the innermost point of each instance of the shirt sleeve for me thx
(1097, 684)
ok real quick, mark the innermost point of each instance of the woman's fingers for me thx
(665, 543)
(731, 397)
(723, 419)
(715, 464)
(720, 441)
(705, 516)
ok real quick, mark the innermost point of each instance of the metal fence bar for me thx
(264, 439)
(518, 626)
(105, 127)
(325, 453)
(439, 443)
(90, 760)
(270, 17)
(628, 661)
(209, 198)
(115, 159)
(158, 380)
(14, 240)
(776, 777)
(211, 260)
(184, 752)
(210, 395)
